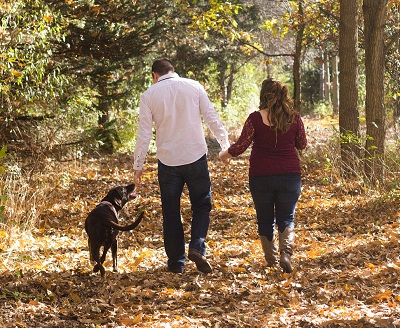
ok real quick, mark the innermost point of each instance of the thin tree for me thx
(349, 122)
(374, 32)
(297, 58)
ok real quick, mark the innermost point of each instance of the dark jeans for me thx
(275, 199)
(172, 180)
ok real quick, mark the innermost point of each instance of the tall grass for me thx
(325, 151)
(29, 194)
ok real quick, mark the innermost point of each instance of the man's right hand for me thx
(224, 156)
(137, 178)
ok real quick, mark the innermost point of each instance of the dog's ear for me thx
(129, 190)
(118, 196)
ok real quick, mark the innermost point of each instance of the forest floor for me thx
(347, 257)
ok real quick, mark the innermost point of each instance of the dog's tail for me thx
(129, 226)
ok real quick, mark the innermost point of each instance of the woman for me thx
(275, 131)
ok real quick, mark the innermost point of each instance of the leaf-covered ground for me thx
(347, 259)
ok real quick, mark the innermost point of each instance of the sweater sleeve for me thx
(301, 139)
(245, 139)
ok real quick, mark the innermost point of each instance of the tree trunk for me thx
(104, 133)
(322, 79)
(103, 104)
(222, 69)
(374, 25)
(327, 88)
(297, 61)
(396, 112)
(335, 85)
(349, 122)
(231, 79)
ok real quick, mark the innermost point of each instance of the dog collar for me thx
(104, 202)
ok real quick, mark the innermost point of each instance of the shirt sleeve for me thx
(245, 139)
(144, 135)
(212, 120)
(301, 139)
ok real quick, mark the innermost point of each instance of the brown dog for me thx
(102, 226)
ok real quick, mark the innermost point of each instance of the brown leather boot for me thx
(270, 250)
(286, 244)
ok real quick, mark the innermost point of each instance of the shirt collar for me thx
(167, 76)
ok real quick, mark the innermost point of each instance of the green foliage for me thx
(127, 125)
(107, 136)
(245, 97)
(321, 109)
(321, 26)
(106, 49)
(28, 76)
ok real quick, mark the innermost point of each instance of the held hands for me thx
(224, 156)
(137, 178)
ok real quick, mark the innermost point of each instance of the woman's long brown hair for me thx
(275, 98)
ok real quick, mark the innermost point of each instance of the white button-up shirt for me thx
(176, 106)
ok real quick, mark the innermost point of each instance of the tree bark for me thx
(374, 26)
(222, 69)
(327, 89)
(104, 133)
(297, 61)
(335, 85)
(231, 80)
(349, 122)
(322, 79)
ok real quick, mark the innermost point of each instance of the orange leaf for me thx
(132, 321)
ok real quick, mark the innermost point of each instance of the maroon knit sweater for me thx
(273, 153)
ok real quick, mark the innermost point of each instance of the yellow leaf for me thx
(314, 253)
(15, 73)
(169, 291)
(138, 318)
(381, 296)
(337, 303)
(239, 269)
(75, 298)
(140, 259)
(47, 18)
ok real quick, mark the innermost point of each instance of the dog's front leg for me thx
(114, 247)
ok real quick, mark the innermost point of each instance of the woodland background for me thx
(71, 74)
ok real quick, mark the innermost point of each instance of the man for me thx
(176, 106)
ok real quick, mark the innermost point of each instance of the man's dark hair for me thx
(162, 66)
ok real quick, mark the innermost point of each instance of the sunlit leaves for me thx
(26, 31)
(320, 19)
(218, 18)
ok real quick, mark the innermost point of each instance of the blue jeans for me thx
(275, 198)
(172, 180)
